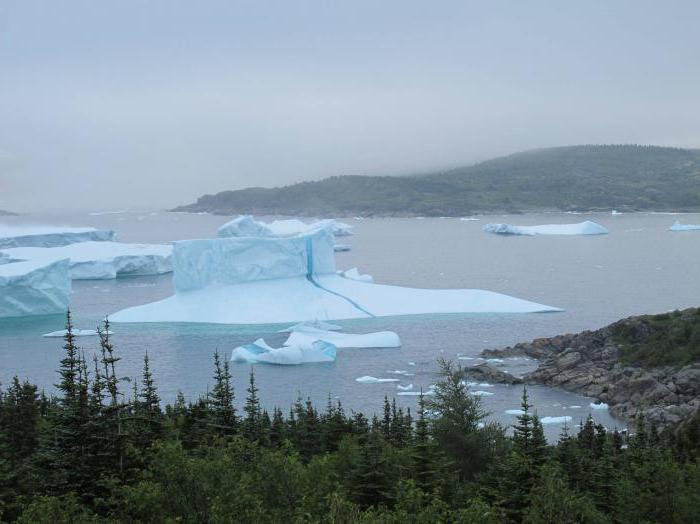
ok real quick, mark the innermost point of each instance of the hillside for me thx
(6, 213)
(571, 178)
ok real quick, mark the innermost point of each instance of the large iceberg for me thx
(34, 288)
(102, 260)
(582, 228)
(247, 226)
(285, 280)
(260, 353)
(49, 236)
(381, 339)
(677, 226)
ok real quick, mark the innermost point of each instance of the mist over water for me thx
(640, 267)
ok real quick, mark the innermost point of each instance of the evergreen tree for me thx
(427, 463)
(221, 399)
(252, 422)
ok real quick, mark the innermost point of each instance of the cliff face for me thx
(612, 365)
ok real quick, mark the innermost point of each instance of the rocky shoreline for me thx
(589, 364)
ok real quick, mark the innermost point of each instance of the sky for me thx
(133, 104)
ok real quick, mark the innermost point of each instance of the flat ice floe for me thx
(555, 420)
(374, 380)
(381, 339)
(260, 353)
(582, 228)
(34, 288)
(284, 280)
(677, 226)
(49, 236)
(354, 274)
(102, 260)
(76, 332)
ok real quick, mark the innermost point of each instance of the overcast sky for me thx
(147, 104)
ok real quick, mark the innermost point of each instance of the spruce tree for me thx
(221, 400)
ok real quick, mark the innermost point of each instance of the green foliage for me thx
(565, 178)
(668, 339)
(90, 455)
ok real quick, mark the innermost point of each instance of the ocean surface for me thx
(640, 267)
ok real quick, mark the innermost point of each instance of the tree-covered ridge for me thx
(102, 450)
(667, 339)
(571, 178)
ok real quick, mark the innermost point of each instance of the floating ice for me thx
(400, 372)
(354, 274)
(415, 393)
(280, 280)
(482, 393)
(381, 339)
(677, 226)
(555, 420)
(515, 412)
(102, 260)
(469, 219)
(48, 236)
(582, 228)
(311, 325)
(404, 388)
(247, 226)
(76, 332)
(34, 288)
(574, 407)
(260, 353)
(615, 212)
(374, 380)
(340, 248)
(596, 405)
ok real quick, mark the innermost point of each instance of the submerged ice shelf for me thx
(34, 288)
(677, 226)
(259, 352)
(50, 236)
(102, 260)
(293, 279)
(582, 228)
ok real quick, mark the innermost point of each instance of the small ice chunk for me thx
(555, 420)
(366, 379)
(76, 332)
(515, 412)
(381, 339)
(582, 228)
(415, 393)
(469, 219)
(482, 393)
(404, 388)
(354, 274)
(575, 407)
(598, 405)
(341, 248)
(677, 226)
(411, 363)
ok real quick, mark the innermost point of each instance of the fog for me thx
(146, 105)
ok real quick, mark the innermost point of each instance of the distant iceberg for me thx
(582, 228)
(260, 353)
(247, 226)
(76, 332)
(49, 236)
(555, 420)
(677, 226)
(102, 260)
(34, 288)
(381, 339)
(279, 280)
(373, 380)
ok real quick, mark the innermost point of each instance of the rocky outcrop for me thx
(589, 364)
(487, 373)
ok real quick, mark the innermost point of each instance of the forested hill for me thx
(590, 177)
(6, 213)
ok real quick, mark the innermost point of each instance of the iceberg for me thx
(677, 226)
(286, 280)
(341, 248)
(260, 353)
(482, 393)
(102, 260)
(514, 412)
(354, 274)
(374, 380)
(247, 226)
(76, 332)
(34, 288)
(555, 420)
(415, 393)
(404, 388)
(597, 406)
(49, 236)
(582, 228)
(381, 339)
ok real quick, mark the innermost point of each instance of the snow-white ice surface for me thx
(354, 274)
(311, 325)
(260, 353)
(76, 332)
(582, 228)
(677, 226)
(50, 236)
(408, 387)
(515, 412)
(601, 405)
(555, 420)
(247, 226)
(374, 380)
(284, 280)
(34, 288)
(380, 339)
(102, 260)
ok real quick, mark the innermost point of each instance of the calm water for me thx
(639, 268)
